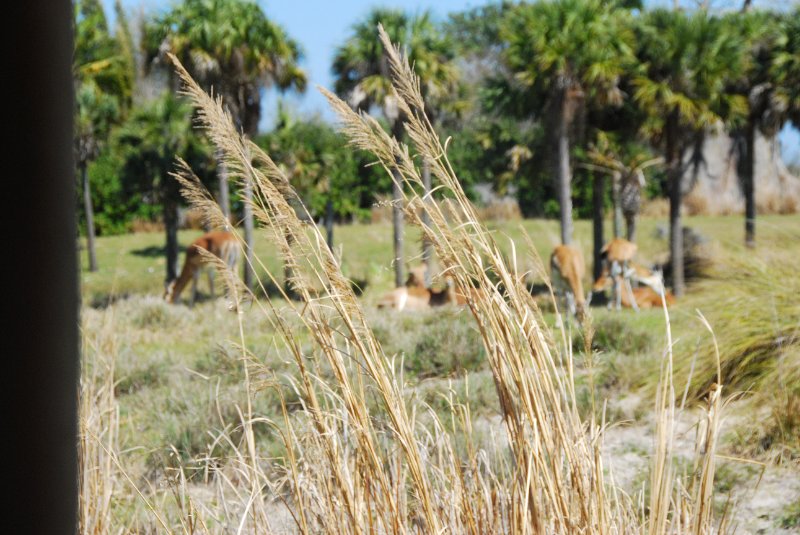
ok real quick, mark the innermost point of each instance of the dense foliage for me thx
(322, 167)
(496, 78)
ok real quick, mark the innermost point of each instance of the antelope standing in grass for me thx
(221, 244)
(566, 272)
(617, 256)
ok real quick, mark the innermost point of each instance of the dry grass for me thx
(694, 204)
(359, 455)
(758, 321)
(145, 225)
(500, 210)
(763, 350)
(98, 431)
(655, 208)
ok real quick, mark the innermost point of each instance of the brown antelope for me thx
(617, 256)
(416, 276)
(566, 271)
(637, 273)
(652, 278)
(643, 296)
(470, 293)
(221, 244)
(415, 296)
(647, 297)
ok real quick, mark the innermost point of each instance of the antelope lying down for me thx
(646, 296)
(415, 296)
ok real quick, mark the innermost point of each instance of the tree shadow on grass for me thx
(154, 251)
(269, 289)
(102, 301)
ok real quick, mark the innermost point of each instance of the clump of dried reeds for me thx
(349, 467)
(98, 426)
(102, 480)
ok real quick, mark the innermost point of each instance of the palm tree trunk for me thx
(597, 223)
(288, 271)
(329, 221)
(397, 224)
(563, 171)
(630, 227)
(616, 188)
(749, 185)
(249, 276)
(222, 176)
(675, 173)
(397, 213)
(427, 246)
(171, 227)
(89, 209)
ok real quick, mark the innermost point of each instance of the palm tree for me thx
(571, 52)
(103, 78)
(149, 142)
(686, 60)
(95, 111)
(758, 31)
(230, 46)
(363, 79)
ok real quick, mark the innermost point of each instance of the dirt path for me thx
(758, 502)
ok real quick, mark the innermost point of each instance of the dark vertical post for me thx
(598, 185)
(89, 210)
(40, 421)
(749, 186)
(171, 200)
(675, 174)
(329, 222)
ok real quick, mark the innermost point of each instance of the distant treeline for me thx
(540, 98)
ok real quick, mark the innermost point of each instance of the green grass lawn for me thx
(134, 264)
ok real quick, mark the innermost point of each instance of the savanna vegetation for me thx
(294, 405)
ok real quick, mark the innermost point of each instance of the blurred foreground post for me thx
(42, 387)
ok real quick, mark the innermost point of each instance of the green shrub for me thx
(621, 333)
(440, 342)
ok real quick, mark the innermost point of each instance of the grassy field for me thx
(134, 264)
(178, 373)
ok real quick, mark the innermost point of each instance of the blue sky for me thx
(321, 25)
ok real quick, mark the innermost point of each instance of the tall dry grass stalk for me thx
(98, 427)
(361, 456)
